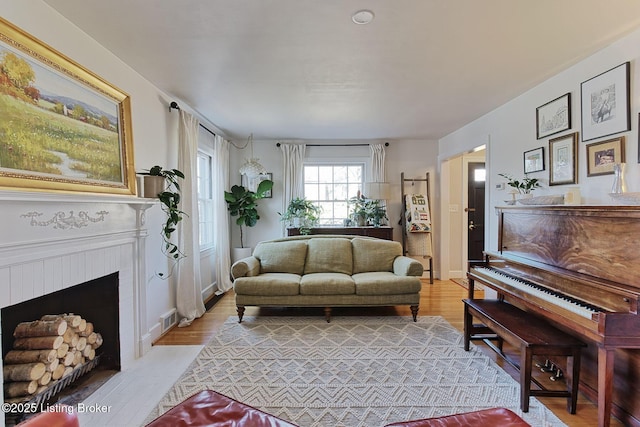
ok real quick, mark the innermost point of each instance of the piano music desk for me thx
(533, 336)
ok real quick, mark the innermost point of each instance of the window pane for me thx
(205, 199)
(325, 173)
(355, 174)
(310, 174)
(340, 192)
(311, 191)
(340, 174)
(325, 192)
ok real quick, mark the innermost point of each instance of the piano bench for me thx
(532, 335)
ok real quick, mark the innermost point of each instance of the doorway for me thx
(476, 178)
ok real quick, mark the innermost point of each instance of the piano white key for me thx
(544, 295)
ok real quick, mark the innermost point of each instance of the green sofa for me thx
(327, 271)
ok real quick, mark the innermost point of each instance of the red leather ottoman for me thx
(487, 417)
(66, 417)
(208, 408)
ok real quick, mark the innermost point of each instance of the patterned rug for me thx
(354, 371)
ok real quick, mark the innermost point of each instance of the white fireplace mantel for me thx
(52, 241)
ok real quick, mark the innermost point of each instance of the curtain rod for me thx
(174, 105)
(386, 144)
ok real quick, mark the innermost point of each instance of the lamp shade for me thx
(376, 190)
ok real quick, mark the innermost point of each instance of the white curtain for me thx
(221, 214)
(293, 158)
(189, 288)
(377, 162)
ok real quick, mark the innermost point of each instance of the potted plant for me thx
(166, 188)
(526, 186)
(359, 209)
(302, 214)
(375, 212)
(241, 202)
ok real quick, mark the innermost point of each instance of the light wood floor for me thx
(443, 298)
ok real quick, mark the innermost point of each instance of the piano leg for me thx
(526, 357)
(605, 385)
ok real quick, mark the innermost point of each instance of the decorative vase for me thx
(619, 185)
(240, 253)
(152, 185)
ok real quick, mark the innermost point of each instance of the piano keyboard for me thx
(571, 304)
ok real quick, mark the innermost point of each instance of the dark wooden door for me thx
(475, 211)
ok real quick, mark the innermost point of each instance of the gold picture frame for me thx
(603, 155)
(62, 127)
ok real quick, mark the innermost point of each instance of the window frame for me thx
(355, 161)
(204, 149)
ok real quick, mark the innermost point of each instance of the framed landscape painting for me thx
(62, 128)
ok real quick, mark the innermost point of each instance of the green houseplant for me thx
(301, 213)
(525, 186)
(241, 202)
(358, 205)
(169, 196)
(375, 212)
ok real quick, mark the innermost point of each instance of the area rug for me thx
(354, 371)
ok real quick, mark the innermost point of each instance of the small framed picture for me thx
(534, 160)
(554, 116)
(563, 168)
(601, 156)
(606, 103)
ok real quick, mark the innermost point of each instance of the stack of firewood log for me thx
(46, 350)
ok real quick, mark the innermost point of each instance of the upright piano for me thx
(579, 267)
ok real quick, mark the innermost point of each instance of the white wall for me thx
(413, 157)
(511, 129)
(153, 129)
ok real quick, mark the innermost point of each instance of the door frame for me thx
(446, 225)
(474, 157)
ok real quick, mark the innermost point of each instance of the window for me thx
(205, 199)
(330, 186)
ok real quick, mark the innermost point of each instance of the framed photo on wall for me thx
(554, 116)
(601, 156)
(534, 160)
(563, 168)
(605, 103)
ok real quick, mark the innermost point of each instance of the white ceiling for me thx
(300, 69)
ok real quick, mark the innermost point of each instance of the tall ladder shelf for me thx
(403, 219)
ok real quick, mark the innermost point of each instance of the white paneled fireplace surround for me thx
(52, 242)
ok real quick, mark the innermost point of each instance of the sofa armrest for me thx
(249, 266)
(405, 266)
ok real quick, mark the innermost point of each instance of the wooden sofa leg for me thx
(327, 314)
(240, 310)
(414, 312)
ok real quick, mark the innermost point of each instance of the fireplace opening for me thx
(97, 301)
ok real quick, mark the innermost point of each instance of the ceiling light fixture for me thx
(362, 17)
(252, 167)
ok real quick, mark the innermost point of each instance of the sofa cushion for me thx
(268, 284)
(385, 283)
(281, 257)
(328, 255)
(327, 284)
(374, 255)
